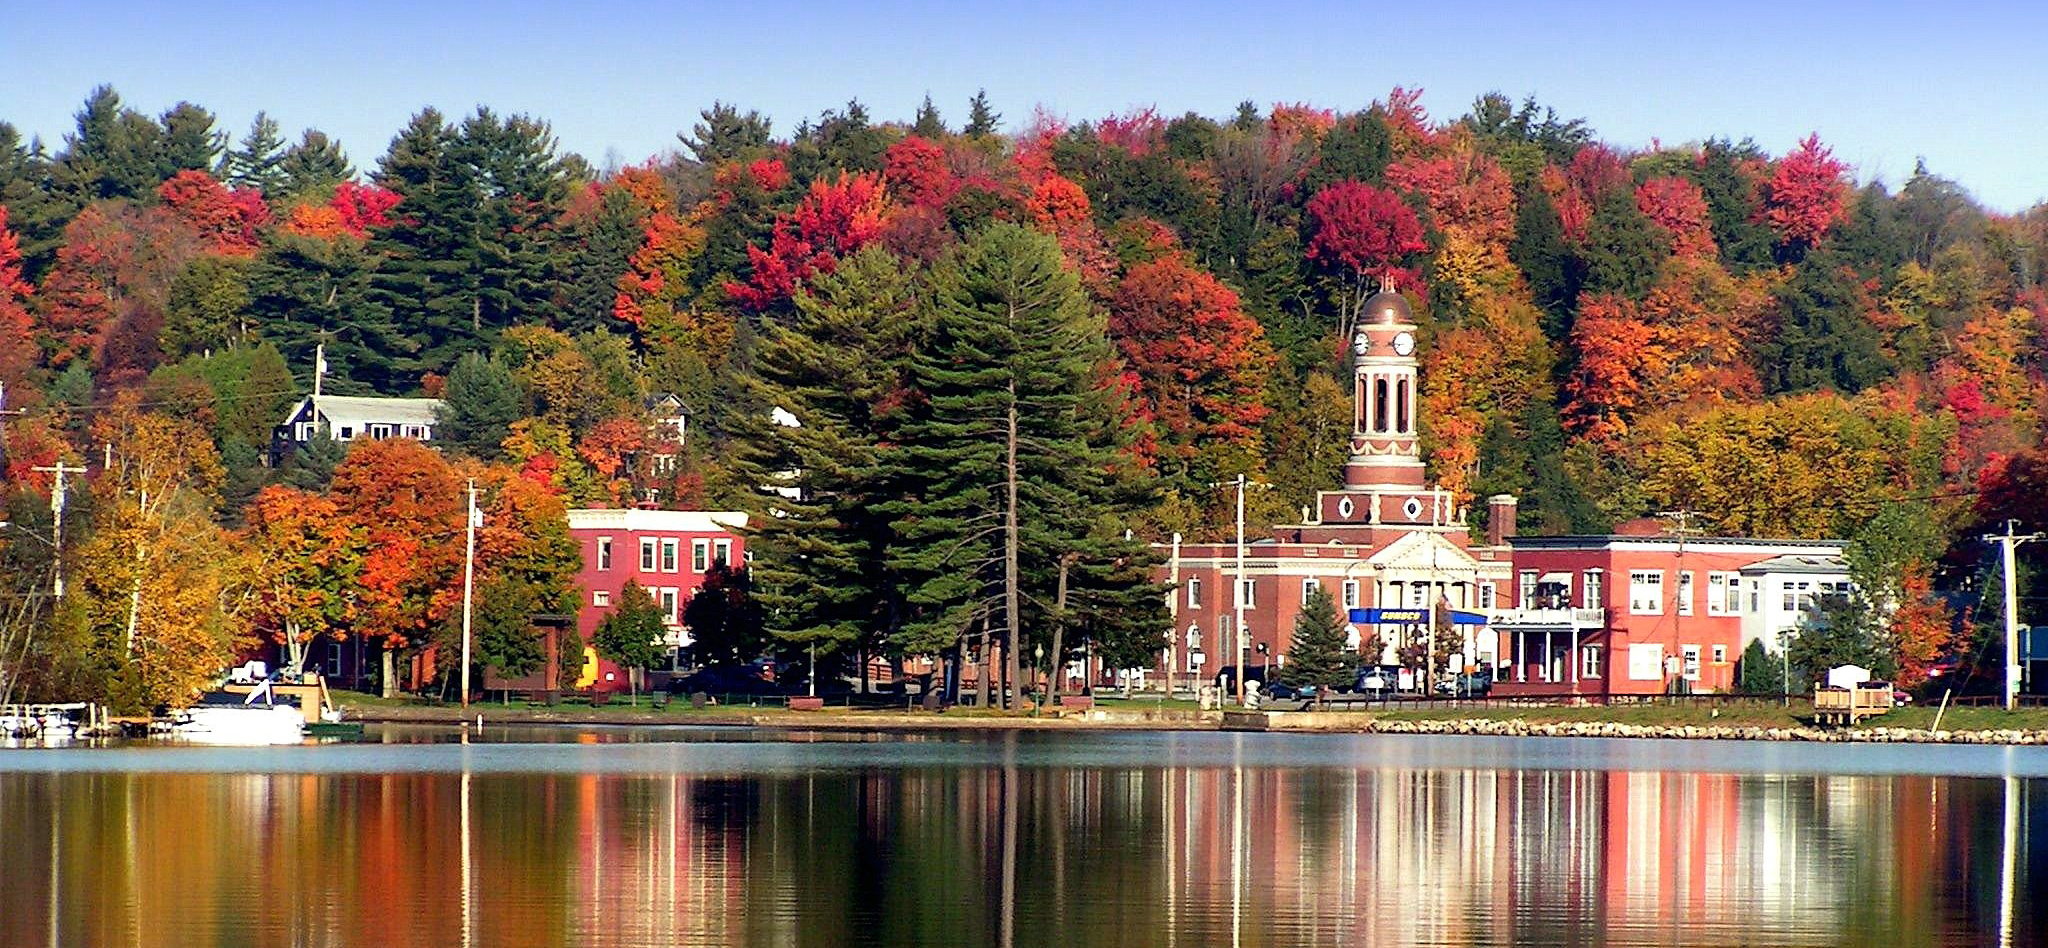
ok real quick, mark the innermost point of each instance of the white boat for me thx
(255, 718)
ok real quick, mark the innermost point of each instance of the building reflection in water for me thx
(1019, 855)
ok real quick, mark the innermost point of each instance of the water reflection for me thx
(1010, 848)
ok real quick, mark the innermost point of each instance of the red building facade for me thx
(1386, 539)
(668, 552)
(1616, 615)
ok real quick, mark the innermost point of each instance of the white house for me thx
(1779, 589)
(349, 417)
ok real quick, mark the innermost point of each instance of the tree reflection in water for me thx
(998, 841)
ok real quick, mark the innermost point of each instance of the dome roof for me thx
(1387, 307)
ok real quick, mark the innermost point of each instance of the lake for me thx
(577, 836)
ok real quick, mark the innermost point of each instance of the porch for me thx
(1552, 652)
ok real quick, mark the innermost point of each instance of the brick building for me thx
(667, 552)
(1385, 540)
(1647, 614)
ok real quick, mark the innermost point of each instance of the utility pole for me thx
(2008, 542)
(1173, 614)
(57, 524)
(1237, 595)
(468, 584)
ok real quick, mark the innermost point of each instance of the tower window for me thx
(1379, 405)
(1401, 406)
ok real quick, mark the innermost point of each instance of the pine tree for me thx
(725, 134)
(428, 277)
(190, 142)
(821, 555)
(928, 123)
(1002, 452)
(311, 464)
(257, 161)
(315, 164)
(1318, 657)
(1623, 253)
(478, 407)
(981, 119)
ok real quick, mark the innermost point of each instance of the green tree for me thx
(821, 532)
(478, 406)
(1539, 251)
(315, 164)
(1834, 630)
(1760, 673)
(206, 309)
(928, 123)
(257, 160)
(1624, 253)
(1734, 209)
(1823, 340)
(631, 635)
(724, 619)
(1004, 452)
(1318, 656)
(725, 133)
(982, 119)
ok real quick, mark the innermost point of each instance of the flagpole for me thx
(468, 577)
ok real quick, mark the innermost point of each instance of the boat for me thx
(256, 718)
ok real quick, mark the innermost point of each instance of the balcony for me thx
(1560, 618)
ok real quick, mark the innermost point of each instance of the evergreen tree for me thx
(257, 160)
(478, 406)
(525, 187)
(431, 258)
(1834, 631)
(928, 124)
(1733, 207)
(1539, 251)
(1003, 454)
(1823, 340)
(1319, 656)
(34, 213)
(116, 152)
(820, 532)
(599, 251)
(631, 635)
(1624, 253)
(1357, 148)
(1760, 673)
(311, 465)
(307, 290)
(190, 142)
(315, 164)
(725, 134)
(724, 619)
(982, 120)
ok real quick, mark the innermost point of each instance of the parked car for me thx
(1470, 684)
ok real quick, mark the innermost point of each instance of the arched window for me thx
(1401, 407)
(1379, 405)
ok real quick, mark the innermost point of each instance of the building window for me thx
(415, 432)
(1351, 594)
(1401, 407)
(1590, 590)
(1308, 589)
(604, 553)
(700, 555)
(1589, 661)
(1796, 596)
(670, 548)
(1194, 638)
(380, 431)
(1379, 405)
(1720, 654)
(1194, 593)
(1724, 594)
(1527, 597)
(721, 552)
(1691, 668)
(600, 598)
(1223, 631)
(1646, 592)
(1485, 595)
(1685, 592)
(1248, 593)
(668, 603)
(647, 554)
(346, 432)
(1418, 596)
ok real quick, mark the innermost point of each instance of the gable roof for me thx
(360, 409)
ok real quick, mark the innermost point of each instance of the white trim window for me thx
(1308, 590)
(671, 604)
(1591, 587)
(721, 552)
(1526, 593)
(700, 555)
(1589, 661)
(670, 549)
(1351, 594)
(604, 553)
(1690, 662)
(1646, 592)
(1486, 595)
(1248, 593)
(600, 598)
(1685, 592)
(647, 548)
(1724, 594)
(1194, 592)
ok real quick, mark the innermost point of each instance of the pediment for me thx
(1423, 551)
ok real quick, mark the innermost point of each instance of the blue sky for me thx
(1961, 84)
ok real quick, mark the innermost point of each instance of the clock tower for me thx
(1384, 453)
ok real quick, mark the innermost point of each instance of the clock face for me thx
(1360, 344)
(1404, 344)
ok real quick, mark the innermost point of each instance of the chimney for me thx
(1500, 519)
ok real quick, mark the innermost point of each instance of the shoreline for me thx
(1282, 722)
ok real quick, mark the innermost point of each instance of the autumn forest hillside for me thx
(1759, 338)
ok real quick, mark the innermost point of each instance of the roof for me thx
(1598, 541)
(1798, 563)
(656, 521)
(1387, 307)
(359, 408)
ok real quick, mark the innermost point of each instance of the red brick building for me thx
(666, 551)
(1385, 540)
(1647, 614)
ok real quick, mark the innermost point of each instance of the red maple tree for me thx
(837, 217)
(1807, 194)
(1201, 365)
(17, 328)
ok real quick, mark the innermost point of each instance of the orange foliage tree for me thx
(410, 504)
